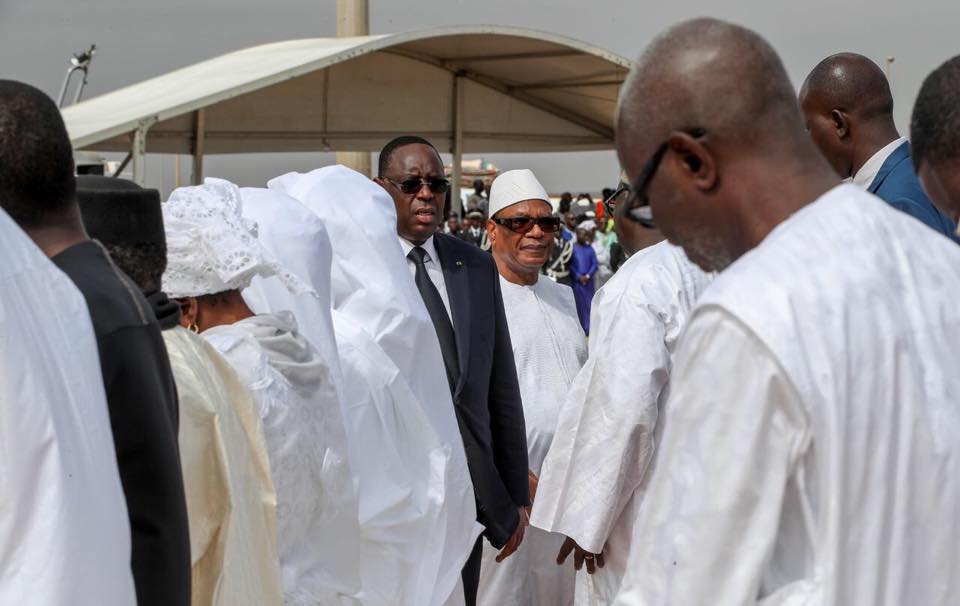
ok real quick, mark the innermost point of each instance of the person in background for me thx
(810, 450)
(64, 532)
(583, 270)
(601, 245)
(477, 201)
(229, 491)
(848, 109)
(557, 267)
(452, 226)
(38, 191)
(213, 254)
(566, 198)
(473, 228)
(549, 348)
(935, 137)
(569, 230)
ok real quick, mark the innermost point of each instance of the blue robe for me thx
(583, 263)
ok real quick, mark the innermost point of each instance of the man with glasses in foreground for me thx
(460, 287)
(591, 483)
(549, 348)
(811, 441)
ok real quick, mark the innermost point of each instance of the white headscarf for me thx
(211, 248)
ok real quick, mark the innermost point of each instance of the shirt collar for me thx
(868, 172)
(428, 246)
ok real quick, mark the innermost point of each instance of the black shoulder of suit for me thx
(143, 409)
(467, 252)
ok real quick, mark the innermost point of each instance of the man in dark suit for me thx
(460, 287)
(848, 109)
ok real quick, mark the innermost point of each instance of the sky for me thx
(137, 39)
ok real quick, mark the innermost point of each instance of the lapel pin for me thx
(459, 263)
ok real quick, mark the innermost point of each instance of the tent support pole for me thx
(457, 143)
(199, 141)
(138, 152)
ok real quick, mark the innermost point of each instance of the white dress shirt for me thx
(434, 271)
(868, 172)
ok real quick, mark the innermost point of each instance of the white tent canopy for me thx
(467, 89)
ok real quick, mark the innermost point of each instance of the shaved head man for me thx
(935, 134)
(848, 110)
(806, 363)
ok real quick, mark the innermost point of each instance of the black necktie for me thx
(438, 314)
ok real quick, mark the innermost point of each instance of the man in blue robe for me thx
(583, 267)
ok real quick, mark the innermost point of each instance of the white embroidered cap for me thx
(211, 248)
(515, 186)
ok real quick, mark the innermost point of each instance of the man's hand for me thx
(593, 560)
(533, 482)
(584, 279)
(514, 542)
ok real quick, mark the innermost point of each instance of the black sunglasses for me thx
(522, 225)
(610, 204)
(638, 189)
(413, 185)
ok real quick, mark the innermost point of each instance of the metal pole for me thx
(139, 153)
(353, 19)
(457, 143)
(199, 141)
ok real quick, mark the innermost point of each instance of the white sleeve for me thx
(733, 430)
(604, 438)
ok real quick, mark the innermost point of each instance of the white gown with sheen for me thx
(811, 444)
(317, 525)
(591, 483)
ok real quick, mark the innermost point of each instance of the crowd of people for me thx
(265, 395)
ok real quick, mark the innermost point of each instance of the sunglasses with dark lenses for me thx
(618, 196)
(414, 184)
(521, 225)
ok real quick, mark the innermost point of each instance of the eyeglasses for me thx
(637, 199)
(522, 225)
(610, 204)
(413, 185)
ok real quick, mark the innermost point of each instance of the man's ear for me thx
(491, 231)
(841, 123)
(695, 161)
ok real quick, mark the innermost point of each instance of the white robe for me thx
(317, 526)
(549, 348)
(64, 532)
(370, 283)
(811, 445)
(231, 502)
(400, 483)
(591, 483)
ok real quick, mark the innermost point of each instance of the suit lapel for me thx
(458, 292)
(896, 157)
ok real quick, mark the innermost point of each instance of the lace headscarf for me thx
(211, 248)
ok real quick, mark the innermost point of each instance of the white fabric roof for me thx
(522, 91)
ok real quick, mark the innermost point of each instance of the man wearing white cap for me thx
(549, 348)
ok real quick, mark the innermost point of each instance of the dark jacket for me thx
(142, 402)
(487, 397)
(897, 184)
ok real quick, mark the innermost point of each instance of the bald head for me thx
(712, 75)
(705, 118)
(848, 110)
(849, 82)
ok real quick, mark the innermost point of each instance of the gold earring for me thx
(194, 328)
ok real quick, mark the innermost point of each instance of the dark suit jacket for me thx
(897, 184)
(487, 396)
(144, 417)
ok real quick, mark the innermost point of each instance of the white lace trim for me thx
(211, 247)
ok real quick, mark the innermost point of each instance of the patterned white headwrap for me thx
(211, 248)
